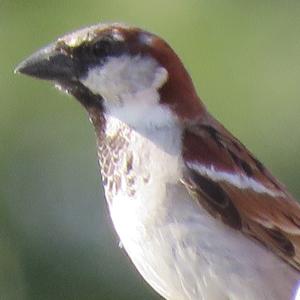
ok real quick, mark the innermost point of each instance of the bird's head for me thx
(121, 70)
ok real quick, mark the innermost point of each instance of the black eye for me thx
(102, 48)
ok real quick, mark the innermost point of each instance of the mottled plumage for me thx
(198, 214)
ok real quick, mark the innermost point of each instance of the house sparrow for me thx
(198, 214)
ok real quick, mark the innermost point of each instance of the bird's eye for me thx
(102, 48)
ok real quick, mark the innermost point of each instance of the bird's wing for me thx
(236, 188)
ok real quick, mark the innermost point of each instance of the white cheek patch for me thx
(129, 86)
(124, 75)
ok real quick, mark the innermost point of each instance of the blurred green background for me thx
(56, 238)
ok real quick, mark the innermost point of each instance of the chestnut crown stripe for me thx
(88, 47)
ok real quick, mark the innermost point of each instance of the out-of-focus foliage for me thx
(56, 239)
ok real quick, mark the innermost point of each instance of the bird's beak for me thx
(49, 63)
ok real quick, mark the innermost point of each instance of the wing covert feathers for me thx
(236, 188)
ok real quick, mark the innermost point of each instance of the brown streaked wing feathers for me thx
(273, 219)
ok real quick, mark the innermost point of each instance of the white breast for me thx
(178, 248)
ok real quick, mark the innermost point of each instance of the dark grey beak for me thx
(49, 63)
(56, 64)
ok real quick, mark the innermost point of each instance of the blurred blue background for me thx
(56, 238)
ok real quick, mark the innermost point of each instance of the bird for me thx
(199, 216)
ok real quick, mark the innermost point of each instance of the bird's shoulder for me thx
(225, 178)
